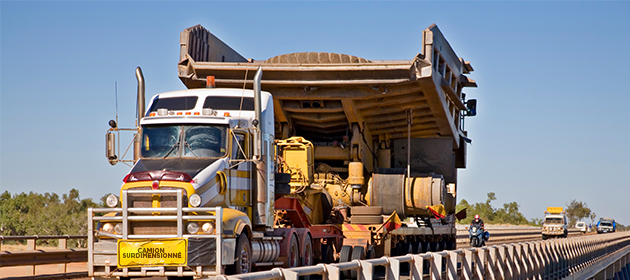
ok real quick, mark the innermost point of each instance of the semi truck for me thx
(555, 223)
(297, 159)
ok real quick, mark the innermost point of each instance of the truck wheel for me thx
(423, 247)
(243, 262)
(293, 257)
(307, 255)
(366, 210)
(344, 256)
(328, 254)
(433, 246)
(358, 253)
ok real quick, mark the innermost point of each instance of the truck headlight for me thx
(118, 228)
(194, 200)
(192, 227)
(112, 200)
(108, 227)
(207, 227)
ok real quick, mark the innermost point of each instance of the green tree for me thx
(44, 214)
(577, 210)
(509, 214)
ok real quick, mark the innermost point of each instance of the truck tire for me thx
(243, 254)
(283, 189)
(366, 210)
(293, 256)
(366, 220)
(358, 253)
(306, 254)
(344, 256)
(283, 178)
(328, 254)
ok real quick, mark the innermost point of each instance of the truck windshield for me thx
(172, 141)
(605, 224)
(553, 220)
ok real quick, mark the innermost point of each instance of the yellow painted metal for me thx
(138, 253)
(355, 173)
(234, 221)
(554, 210)
(298, 155)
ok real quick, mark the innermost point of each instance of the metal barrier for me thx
(551, 259)
(32, 257)
(574, 258)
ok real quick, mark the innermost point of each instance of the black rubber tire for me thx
(370, 254)
(366, 220)
(283, 189)
(473, 242)
(423, 247)
(243, 253)
(366, 210)
(451, 245)
(358, 253)
(294, 252)
(433, 246)
(344, 256)
(328, 254)
(306, 255)
(283, 178)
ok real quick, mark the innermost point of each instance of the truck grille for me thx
(153, 228)
(136, 200)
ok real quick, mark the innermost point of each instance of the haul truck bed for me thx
(320, 95)
(358, 110)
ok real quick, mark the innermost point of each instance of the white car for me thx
(581, 226)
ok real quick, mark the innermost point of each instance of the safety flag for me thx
(392, 223)
(438, 211)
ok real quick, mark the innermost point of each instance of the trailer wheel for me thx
(344, 256)
(243, 262)
(307, 254)
(358, 253)
(293, 256)
(328, 254)
(451, 245)
(423, 247)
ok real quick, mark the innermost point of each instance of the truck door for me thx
(240, 172)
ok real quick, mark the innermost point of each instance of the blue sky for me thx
(551, 125)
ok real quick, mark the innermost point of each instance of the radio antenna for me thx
(116, 93)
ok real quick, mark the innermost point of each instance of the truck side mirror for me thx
(110, 151)
(471, 105)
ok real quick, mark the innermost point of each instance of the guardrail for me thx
(504, 234)
(550, 259)
(32, 257)
(521, 259)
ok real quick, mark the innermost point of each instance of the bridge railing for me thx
(31, 257)
(550, 259)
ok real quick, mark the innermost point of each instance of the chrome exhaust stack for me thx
(141, 109)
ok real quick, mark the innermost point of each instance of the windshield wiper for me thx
(191, 150)
(171, 150)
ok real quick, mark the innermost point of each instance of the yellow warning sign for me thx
(554, 210)
(135, 253)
